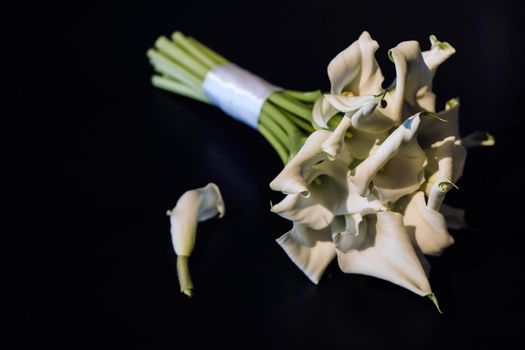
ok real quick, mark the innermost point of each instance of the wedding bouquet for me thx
(366, 168)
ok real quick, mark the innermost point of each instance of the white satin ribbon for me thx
(237, 92)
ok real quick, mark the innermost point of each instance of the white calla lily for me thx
(327, 192)
(439, 52)
(362, 143)
(402, 174)
(387, 253)
(309, 249)
(193, 206)
(445, 125)
(363, 174)
(427, 226)
(335, 143)
(292, 179)
(358, 192)
(413, 84)
(353, 235)
(322, 112)
(355, 69)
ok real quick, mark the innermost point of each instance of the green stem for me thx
(168, 67)
(218, 59)
(178, 88)
(281, 151)
(274, 127)
(183, 272)
(309, 96)
(279, 117)
(178, 54)
(300, 122)
(193, 49)
(290, 105)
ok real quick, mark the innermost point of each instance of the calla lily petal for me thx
(433, 130)
(322, 112)
(428, 226)
(446, 161)
(439, 52)
(362, 143)
(327, 190)
(193, 206)
(291, 180)
(403, 135)
(402, 174)
(353, 104)
(353, 235)
(413, 84)
(335, 143)
(362, 111)
(355, 69)
(310, 250)
(387, 253)
(438, 193)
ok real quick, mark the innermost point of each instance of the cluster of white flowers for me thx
(370, 192)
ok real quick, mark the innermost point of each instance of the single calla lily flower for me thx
(292, 180)
(192, 207)
(427, 224)
(387, 253)
(399, 139)
(439, 52)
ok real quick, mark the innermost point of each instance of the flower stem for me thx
(218, 59)
(183, 272)
(309, 96)
(279, 117)
(193, 49)
(299, 122)
(274, 127)
(170, 49)
(178, 88)
(281, 151)
(173, 69)
(290, 105)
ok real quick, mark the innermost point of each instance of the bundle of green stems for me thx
(182, 64)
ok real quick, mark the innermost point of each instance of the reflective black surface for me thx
(99, 155)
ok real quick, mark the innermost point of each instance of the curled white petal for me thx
(355, 69)
(403, 174)
(413, 84)
(433, 130)
(327, 191)
(291, 179)
(353, 235)
(439, 52)
(322, 112)
(403, 135)
(309, 249)
(362, 143)
(193, 206)
(446, 160)
(438, 192)
(387, 253)
(335, 143)
(353, 104)
(428, 226)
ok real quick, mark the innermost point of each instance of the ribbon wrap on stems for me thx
(237, 92)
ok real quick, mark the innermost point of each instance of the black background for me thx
(99, 155)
